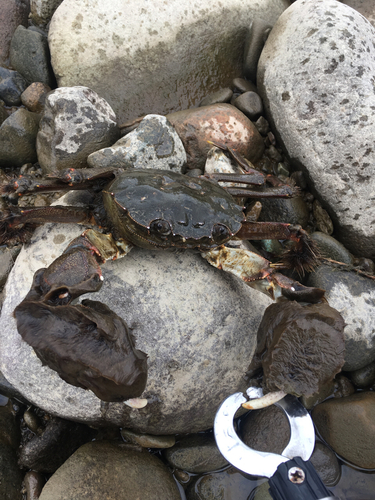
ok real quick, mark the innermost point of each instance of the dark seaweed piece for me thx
(303, 346)
(88, 345)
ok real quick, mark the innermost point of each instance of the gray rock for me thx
(11, 15)
(12, 84)
(241, 85)
(17, 138)
(196, 453)
(354, 297)
(316, 74)
(7, 258)
(196, 323)
(114, 472)
(148, 440)
(222, 95)
(255, 40)
(153, 144)
(364, 377)
(156, 60)
(289, 210)
(330, 248)
(29, 55)
(75, 123)
(250, 104)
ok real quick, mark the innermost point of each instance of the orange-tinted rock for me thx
(348, 426)
(221, 124)
(34, 96)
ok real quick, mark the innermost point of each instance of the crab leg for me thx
(257, 273)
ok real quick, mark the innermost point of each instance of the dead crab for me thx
(150, 209)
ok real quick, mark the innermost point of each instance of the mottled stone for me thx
(114, 472)
(12, 84)
(75, 123)
(153, 144)
(42, 10)
(315, 75)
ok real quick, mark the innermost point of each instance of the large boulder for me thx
(316, 77)
(197, 324)
(158, 59)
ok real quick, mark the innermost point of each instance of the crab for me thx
(155, 209)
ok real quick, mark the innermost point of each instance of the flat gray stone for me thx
(197, 324)
(315, 75)
(157, 59)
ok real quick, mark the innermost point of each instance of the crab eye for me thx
(160, 226)
(220, 233)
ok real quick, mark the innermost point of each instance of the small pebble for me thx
(32, 421)
(148, 440)
(263, 126)
(222, 95)
(34, 482)
(323, 220)
(240, 85)
(363, 377)
(250, 104)
(34, 96)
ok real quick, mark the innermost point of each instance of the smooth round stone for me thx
(347, 425)
(255, 40)
(29, 55)
(172, 54)
(250, 104)
(241, 85)
(330, 248)
(12, 84)
(17, 138)
(364, 377)
(113, 472)
(354, 297)
(196, 454)
(221, 124)
(222, 95)
(197, 324)
(320, 83)
(289, 210)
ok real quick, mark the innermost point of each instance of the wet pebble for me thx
(290, 210)
(364, 377)
(49, 449)
(262, 125)
(148, 440)
(153, 144)
(347, 425)
(195, 453)
(250, 104)
(240, 85)
(222, 95)
(17, 138)
(12, 84)
(34, 96)
(330, 248)
(113, 470)
(34, 482)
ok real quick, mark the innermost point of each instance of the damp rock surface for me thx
(315, 76)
